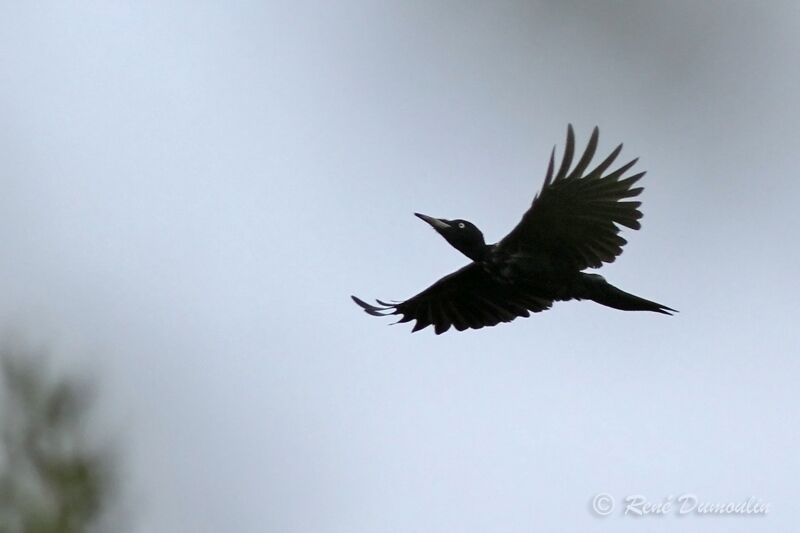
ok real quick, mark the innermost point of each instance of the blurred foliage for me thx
(51, 480)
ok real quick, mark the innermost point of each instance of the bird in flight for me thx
(572, 224)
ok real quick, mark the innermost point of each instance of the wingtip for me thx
(566, 158)
(587, 156)
(361, 303)
(371, 309)
(550, 167)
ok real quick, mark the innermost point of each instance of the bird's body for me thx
(572, 225)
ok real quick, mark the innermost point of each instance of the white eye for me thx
(461, 225)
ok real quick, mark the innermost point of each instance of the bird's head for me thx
(463, 235)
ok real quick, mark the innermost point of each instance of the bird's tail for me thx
(594, 287)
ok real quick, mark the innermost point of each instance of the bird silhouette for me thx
(572, 224)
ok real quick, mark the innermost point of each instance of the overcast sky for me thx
(191, 192)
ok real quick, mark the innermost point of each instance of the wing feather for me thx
(575, 218)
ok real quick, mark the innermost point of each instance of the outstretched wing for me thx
(467, 298)
(574, 221)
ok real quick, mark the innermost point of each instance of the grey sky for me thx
(192, 192)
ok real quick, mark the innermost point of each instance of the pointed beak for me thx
(436, 223)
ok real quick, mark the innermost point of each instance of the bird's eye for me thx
(461, 225)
